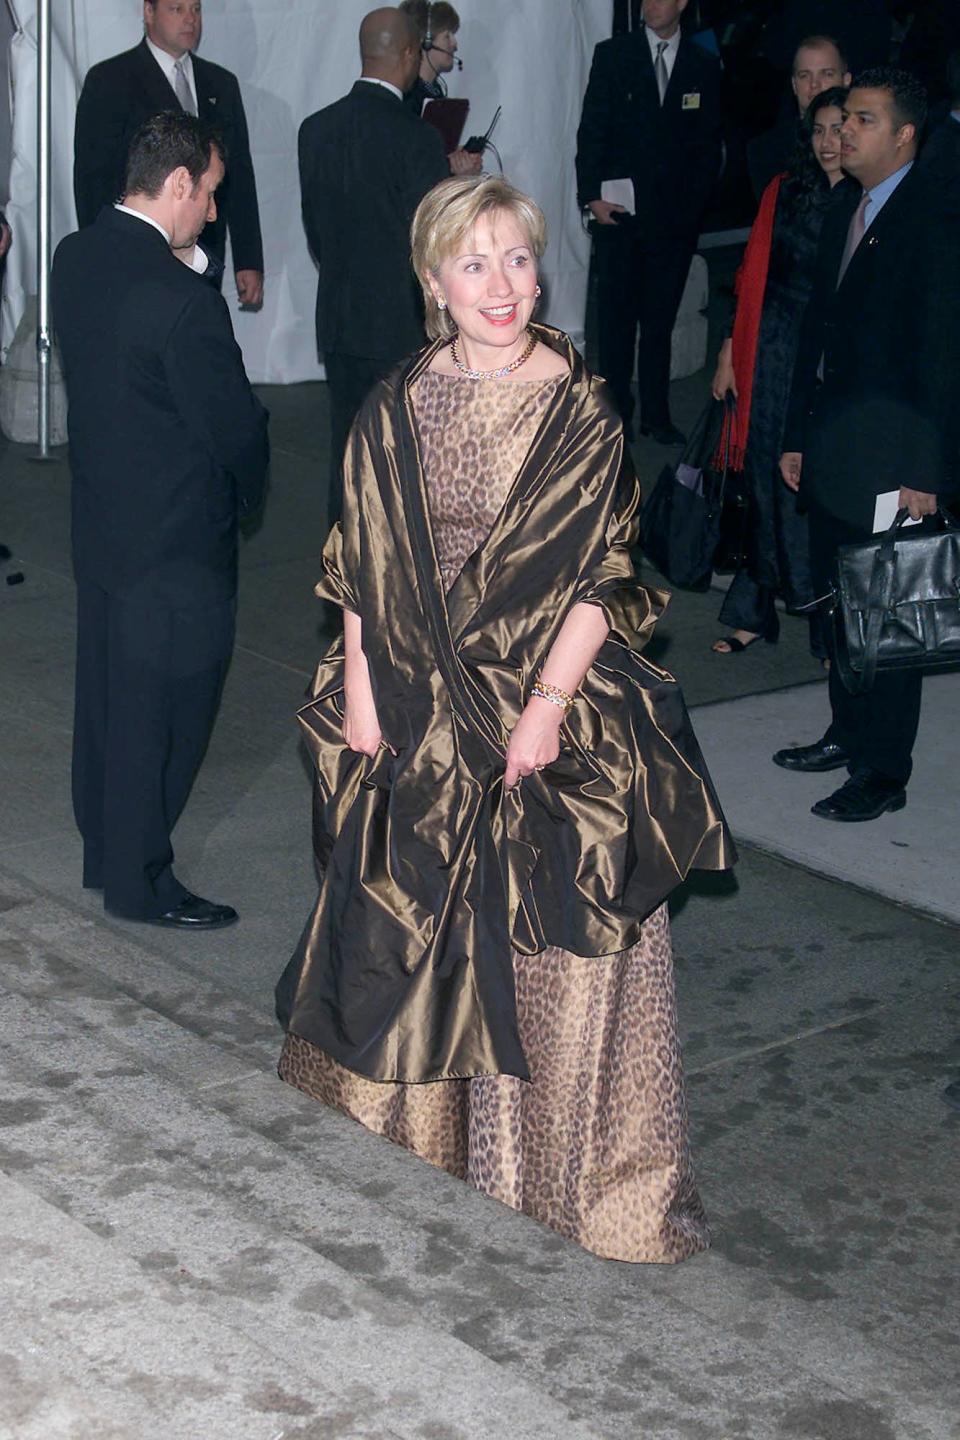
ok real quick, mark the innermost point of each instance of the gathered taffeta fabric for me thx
(432, 871)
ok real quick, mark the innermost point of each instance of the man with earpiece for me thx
(438, 24)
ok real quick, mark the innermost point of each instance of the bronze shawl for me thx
(432, 870)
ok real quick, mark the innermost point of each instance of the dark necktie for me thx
(660, 69)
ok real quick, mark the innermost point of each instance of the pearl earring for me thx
(441, 303)
(538, 292)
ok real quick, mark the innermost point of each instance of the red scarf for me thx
(750, 286)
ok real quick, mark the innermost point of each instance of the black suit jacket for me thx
(886, 413)
(939, 161)
(671, 152)
(118, 95)
(771, 152)
(168, 443)
(366, 162)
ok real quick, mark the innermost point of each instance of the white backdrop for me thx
(292, 57)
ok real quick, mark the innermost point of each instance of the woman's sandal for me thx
(737, 647)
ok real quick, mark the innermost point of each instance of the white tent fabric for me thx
(292, 57)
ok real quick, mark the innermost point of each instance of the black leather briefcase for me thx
(896, 602)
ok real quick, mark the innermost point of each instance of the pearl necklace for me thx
(491, 374)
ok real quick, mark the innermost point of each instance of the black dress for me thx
(779, 548)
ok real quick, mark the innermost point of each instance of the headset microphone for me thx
(451, 53)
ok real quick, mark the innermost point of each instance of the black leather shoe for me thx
(820, 756)
(192, 913)
(865, 796)
(664, 434)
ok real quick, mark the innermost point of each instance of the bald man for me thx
(365, 164)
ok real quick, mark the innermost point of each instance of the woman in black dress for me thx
(774, 283)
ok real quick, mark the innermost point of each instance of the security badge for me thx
(691, 101)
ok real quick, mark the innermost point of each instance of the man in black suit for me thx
(940, 156)
(818, 64)
(365, 164)
(162, 73)
(651, 115)
(874, 405)
(168, 445)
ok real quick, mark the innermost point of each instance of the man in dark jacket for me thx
(651, 116)
(940, 156)
(168, 446)
(365, 164)
(874, 406)
(162, 73)
(818, 64)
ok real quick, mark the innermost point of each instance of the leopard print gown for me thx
(595, 1143)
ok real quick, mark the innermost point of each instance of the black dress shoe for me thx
(820, 756)
(664, 434)
(192, 913)
(865, 796)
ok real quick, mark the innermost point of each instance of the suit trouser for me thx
(878, 728)
(148, 685)
(639, 282)
(350, 378)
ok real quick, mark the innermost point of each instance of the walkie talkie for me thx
(478, 143)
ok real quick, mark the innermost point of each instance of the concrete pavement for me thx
(191, 1249)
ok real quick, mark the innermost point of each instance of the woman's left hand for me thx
(535, 740)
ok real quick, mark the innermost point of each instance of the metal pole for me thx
(44, 331)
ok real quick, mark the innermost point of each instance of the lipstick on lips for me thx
(499, 315)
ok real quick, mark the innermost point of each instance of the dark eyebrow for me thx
(482, 254)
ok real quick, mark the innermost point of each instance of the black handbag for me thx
(680, 520)
(736, 541)
(896, 603)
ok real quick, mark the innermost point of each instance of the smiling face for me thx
(173, 25)
(825, 139)
(874, 143)
(490, 283)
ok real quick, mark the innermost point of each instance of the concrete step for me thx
(158, 1122)
(95, 1346)
(191, 1198)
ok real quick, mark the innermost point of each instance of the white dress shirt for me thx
(372, 80)
(168, 64)
(198, 262)
(670, 54)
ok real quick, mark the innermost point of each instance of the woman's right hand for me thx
(361, 728)
(724, 379)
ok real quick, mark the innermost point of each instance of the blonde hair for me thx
(447, 214)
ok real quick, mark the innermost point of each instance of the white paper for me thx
(885, 511)
(619, 192)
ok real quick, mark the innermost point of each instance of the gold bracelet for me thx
(544, 691)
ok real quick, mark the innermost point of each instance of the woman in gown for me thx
(486, 978)
(756, 365)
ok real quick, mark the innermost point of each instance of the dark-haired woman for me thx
(756, 365)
